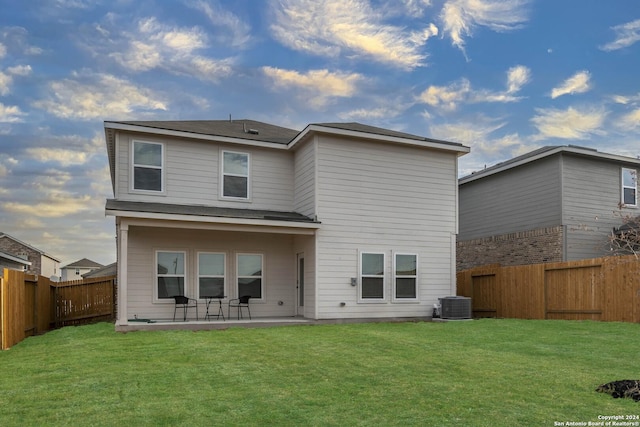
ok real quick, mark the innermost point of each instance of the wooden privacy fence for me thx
(31, 305)
(606, 289)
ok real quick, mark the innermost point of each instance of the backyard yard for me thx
(468, 373)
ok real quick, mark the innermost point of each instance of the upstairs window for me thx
(405, 286)
(235, 175)
(629, 187)
(147, 166)
(372, 276)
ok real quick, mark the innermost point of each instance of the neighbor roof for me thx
(40, 251)
(547, 152)
(84, 263)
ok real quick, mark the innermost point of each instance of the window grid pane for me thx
(630, 187)
(372, 276)
(170, 274)
(211, 275)
(250, 275)
(406, 279)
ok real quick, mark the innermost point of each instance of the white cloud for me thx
(626, 35)
(350, 27)
(3, 50)
(5, 82)
(630, 121)
(6, 79)
(10, 113)
(20, 70)
(517, 77)
(173, 49)
(448, 98)
(318, 85)
(98, 96)
(578, 83)
(571, 123)
(461, 17)
(416, 8)
(59, 155)
(236, 31)
(57, 204)
(475, 134)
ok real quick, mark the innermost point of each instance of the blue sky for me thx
(501, 76)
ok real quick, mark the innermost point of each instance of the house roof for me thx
(107, 270)
(359, 127)
(545, 152)
(83, 263)
(40, 251)
(240, 129)
(207, 211)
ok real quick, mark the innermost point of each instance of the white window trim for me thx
(385, 285)
(156, 299)
(224, 277)
(222, 175)
(397, 276)
(132, 181)
(634, 172)
(262, 277)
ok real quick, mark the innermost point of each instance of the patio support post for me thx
(123, 248)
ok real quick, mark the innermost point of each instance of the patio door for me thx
(300, 284)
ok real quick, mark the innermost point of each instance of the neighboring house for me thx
(13, 262)
(340, 220)
(558, 203)
(76, 269)
(41, 263)
(107, 270)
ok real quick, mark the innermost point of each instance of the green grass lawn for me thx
(474, 373)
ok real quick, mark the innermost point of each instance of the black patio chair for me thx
(184, 303)
(239, 303)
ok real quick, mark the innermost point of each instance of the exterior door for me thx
(300, 284)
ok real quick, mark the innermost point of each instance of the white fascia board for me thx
(192, 135)
(14, 258)
(560, 149)
(460, 149)
(191, 221)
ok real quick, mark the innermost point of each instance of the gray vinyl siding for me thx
(592, 191)
(522, 198)
(278, 274)
(382, 198)
(305, 180)
(192, 174)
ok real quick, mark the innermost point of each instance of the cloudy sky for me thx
(501, 76)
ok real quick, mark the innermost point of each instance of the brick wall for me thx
(14, 248)
(524, 247)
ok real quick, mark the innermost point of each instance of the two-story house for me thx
(77, 269)
(37, 261)
(337, 221)
(557, 203)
